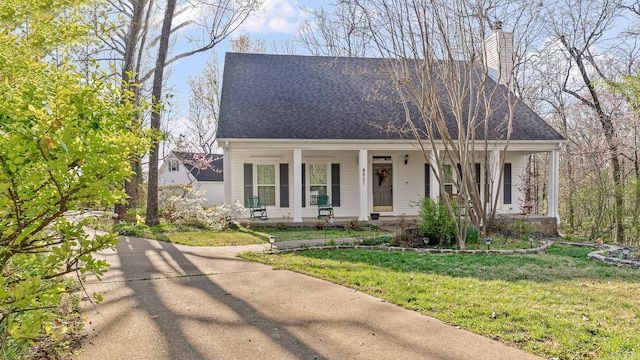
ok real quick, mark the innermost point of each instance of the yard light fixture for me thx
(272, 239)
(406, 159)
(530, 241)
(425, 240)
(625, 252)
(328, 220)
(488, 242)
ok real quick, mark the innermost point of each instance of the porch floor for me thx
(386, 222)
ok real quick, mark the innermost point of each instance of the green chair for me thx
(324, 206)
(255, 207)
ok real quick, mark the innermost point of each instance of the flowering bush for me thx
(189, 209)
(222, 216)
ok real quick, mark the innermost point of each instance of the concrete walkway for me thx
(166, 301)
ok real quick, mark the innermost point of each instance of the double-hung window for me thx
(266, 176)
(318, 182)
(174, 165)
(448, 179)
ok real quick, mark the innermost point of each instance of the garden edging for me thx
(541, 249)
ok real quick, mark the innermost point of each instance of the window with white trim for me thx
(174, 165)
(266, 183)
(447, 178)
(318, 181)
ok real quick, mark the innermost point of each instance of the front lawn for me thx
(333, 233)
(556, 305)
(188, 235)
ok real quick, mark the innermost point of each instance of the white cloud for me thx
(276, 17)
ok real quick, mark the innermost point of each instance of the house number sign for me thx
(364, 178)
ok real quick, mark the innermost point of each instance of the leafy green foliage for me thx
(66, 142)
(436, 223)
(520, 228)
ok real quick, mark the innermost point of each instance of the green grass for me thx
(297, 233)
(187, 235)
(556, 305)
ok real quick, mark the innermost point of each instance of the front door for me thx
(382, 187)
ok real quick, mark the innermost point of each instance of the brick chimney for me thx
(499, 54)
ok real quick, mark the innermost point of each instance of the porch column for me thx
(297, 185)
(433, 178)
(226, 174)
(554, 185)
(363, 176)
(496, 169)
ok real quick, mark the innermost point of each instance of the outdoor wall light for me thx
(530, 241)
(406, 159)
(625, 252)
(272, 239)
(488, 242)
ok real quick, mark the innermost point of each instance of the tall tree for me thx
(579, 27)
(219, 18)
(156, 113)
(437, 49)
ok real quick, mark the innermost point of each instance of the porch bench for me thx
(255, 207)
(324, 206)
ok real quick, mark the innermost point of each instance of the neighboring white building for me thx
(203, 171)
(293, 127)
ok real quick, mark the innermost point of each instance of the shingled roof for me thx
(312, 97)
(203, 167)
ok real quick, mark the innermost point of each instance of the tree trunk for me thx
(127, 76)
(152, 218)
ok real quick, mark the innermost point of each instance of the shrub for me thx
(282, 226)
(520, 228)
(188, 209)
(436, 224)
(473, 235)
(353, 225)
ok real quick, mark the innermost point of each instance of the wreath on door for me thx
(383, 175)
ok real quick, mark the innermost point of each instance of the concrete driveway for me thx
(167, 301)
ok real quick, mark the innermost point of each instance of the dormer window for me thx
(174, 165)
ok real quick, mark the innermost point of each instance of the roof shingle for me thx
(203, 167)
(312, 97)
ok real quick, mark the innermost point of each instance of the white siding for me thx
(518, 169)
(213, 190)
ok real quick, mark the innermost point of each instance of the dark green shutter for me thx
(248, 183)
(427, 181)
(506, 193)
(335, 184)
(478, 177)
(304, 200)
(284, 185)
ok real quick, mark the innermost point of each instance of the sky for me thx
(278, 21)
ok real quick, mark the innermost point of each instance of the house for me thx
(201, 171)
(294, 127)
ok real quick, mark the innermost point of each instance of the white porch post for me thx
(297, 185)
(554, 185)
(226, 174)
(494, 177)
(433, 178)
(363, 176)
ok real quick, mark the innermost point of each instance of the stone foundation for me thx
(544, 225)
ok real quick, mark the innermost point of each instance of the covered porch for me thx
(362, 178)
